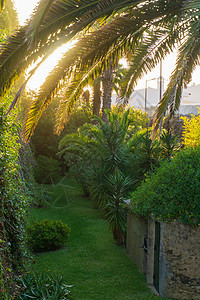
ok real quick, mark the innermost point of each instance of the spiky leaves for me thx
(152, 31)
(188, 58)
(153, 47)
(91, 55)
(105, 150)
(52, 24)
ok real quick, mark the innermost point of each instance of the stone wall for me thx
(180, 261)
(179, 257)
(136, 232)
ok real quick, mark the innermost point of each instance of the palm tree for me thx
(96, 97)
(110, 79)
(150, 29)
(53, 24)
(107, 84)
(103, 152)
(2, 3)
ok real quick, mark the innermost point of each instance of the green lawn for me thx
(91, 262)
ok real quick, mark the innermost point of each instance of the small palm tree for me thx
(74, 150)
(169, 145)
(105, 151)
(145, 155)
(117, 187)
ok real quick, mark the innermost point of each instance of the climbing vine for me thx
(13, 203)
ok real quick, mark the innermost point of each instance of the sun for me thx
(42, 72)
(24, 9)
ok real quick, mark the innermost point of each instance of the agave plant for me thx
(44, 287)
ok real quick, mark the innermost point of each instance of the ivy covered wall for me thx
(13, 203)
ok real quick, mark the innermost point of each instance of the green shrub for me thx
(172, 193)
(47, 235)
(42, 286)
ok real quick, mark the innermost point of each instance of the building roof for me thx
(190, 102)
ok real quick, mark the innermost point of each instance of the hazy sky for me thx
(25, 8)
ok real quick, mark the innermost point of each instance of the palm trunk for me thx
(86, 97)
(119, 237)
(107, 92)
(96, 97)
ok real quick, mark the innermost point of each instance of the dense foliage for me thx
(191, 131)
(101, 160)
(14, 193)
(172, 193)
(47, 235)
(13, 199)
(44, 142)
(110, 160)
(47, 169)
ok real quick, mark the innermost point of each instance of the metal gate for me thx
(156, 256)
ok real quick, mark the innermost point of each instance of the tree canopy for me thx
(104, 30)
(8, 17)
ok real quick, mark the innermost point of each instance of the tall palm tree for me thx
(2, 3)
(96, 97)
(53, 24)
(150, 29)
(82, 63)
(107, 85)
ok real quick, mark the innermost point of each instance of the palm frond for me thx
(98, 48)
(16, 98)
(36, 21)
(159, 40)
(143, 26)
(188, 59)
(154, 47)
(52, 21)
(13, 47)
(75, 139)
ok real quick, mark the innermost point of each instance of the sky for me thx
(25, 8)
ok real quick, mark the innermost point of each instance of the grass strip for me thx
(91, 262)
